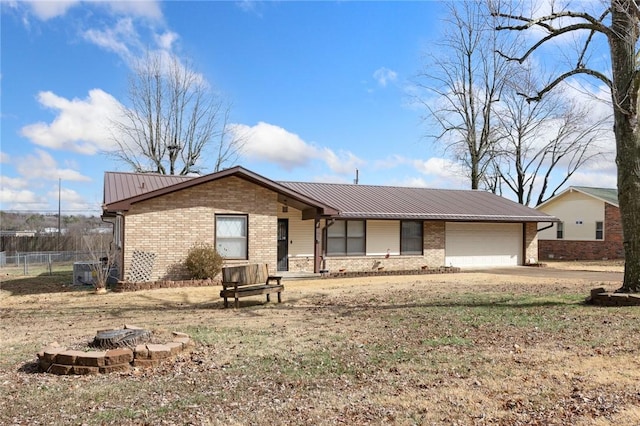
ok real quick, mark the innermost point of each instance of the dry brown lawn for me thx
(466, 349)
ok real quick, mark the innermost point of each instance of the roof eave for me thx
(125, 204)
(446, 217)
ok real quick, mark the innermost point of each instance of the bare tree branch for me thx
(622, 34)
(171, 118)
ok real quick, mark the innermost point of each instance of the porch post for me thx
(317, 258)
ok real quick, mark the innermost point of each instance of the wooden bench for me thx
(249, 280)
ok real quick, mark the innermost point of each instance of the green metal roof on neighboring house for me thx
(608, 195)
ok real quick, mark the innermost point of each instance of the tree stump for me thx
(113, 339)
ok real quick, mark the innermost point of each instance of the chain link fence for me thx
(35, 263)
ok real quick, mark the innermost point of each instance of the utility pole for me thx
(59, 191)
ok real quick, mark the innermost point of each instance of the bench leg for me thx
(237, 302)
(279, 298)
(268, 297)
(226, 302)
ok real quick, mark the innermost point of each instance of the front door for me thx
(283, 244)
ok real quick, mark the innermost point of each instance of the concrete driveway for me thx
(546, 272)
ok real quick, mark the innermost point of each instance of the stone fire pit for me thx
(120, 350)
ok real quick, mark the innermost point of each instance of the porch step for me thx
(288, 275)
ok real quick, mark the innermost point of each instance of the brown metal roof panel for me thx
(381, 201)
(119, 185)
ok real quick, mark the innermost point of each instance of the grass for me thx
(465, 349)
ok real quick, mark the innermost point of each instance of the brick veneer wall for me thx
(609, 248)
(169, 225)
(432, 257)
(531, 243)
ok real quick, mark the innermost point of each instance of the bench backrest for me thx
(246, 274)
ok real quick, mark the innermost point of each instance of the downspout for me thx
(546, 227)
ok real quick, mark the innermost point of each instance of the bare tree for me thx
(618, 22)
(551, 138)
(104, 256)
(467, 78)
(172, 117)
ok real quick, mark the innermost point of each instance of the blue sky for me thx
(325, 86)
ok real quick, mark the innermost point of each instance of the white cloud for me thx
(45, 10)
(81, 125)
(442, 173)
(271, 143)
(42, 165)
(598, 180)
(149, 9)
(49, 9)
(344, 162)
(14, 183)
(384, 76)
(13, 199)
(4, 157)
(436, 172)
(165, 40)
(276, 145)
(118, 39)
(72, 200)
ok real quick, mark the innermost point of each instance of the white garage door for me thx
(483, 244)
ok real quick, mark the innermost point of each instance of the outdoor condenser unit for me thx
(83, 273)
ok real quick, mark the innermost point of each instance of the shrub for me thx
(203, 261)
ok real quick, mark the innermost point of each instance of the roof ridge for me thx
(149, 174)
(382, 186)
(595, 187)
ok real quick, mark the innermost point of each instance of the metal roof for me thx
(389, 202)
(121, 190)
(124, 189)
(608, 195)
(120, 186)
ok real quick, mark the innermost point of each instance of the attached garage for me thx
(483, 244)
(312, 226)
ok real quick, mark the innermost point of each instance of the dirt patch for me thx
(469, 348)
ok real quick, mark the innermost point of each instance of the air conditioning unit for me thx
(84, 272)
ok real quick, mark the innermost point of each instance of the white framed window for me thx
(411, 240)
(346, 238)
(560, 230)
(231, 236)
(599, 230)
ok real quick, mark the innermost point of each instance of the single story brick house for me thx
(310, 227)
(589, 226)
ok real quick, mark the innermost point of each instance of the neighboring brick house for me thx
(308, 227)
(589, 227)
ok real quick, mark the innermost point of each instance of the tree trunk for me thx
(628, 161)
(623, 43)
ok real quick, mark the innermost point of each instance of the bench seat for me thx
(249, 280)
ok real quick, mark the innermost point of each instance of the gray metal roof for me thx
(388, 202)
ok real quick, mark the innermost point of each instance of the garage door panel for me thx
(479, 245)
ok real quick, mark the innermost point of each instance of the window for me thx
(346, 238)
(411, 237)
(599, 230)
(231, 236)
(560, 231)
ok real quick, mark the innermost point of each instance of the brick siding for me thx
(169, 225)
(433, 255)
(531, 243)
(609, 248)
